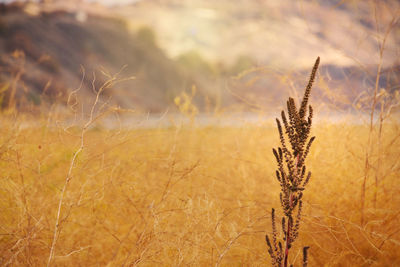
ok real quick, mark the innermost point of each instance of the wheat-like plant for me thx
(291, 174)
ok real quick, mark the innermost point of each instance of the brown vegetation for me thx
(76, 192)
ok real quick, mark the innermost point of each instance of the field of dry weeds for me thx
(75, 191)
(191, 196)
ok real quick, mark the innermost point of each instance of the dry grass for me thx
(189, 196)
(194, 196)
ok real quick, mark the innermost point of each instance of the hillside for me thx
(51, 47)
(275, 43)
(282, 34)
(239, 59)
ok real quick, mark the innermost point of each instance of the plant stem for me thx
(374, 102)
(289, 227)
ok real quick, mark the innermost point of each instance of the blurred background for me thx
(200, 56)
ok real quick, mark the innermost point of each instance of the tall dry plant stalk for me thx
(291, 174)
(382, 38)
(97, 111)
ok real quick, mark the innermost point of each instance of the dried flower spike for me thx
(291, 173)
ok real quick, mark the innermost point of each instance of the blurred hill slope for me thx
(52, 46)
(246, 57)
(280, 33)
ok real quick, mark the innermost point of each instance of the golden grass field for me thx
(191, 196)
(75, 191)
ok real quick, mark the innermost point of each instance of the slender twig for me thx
(92, 118)
(369, 149)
